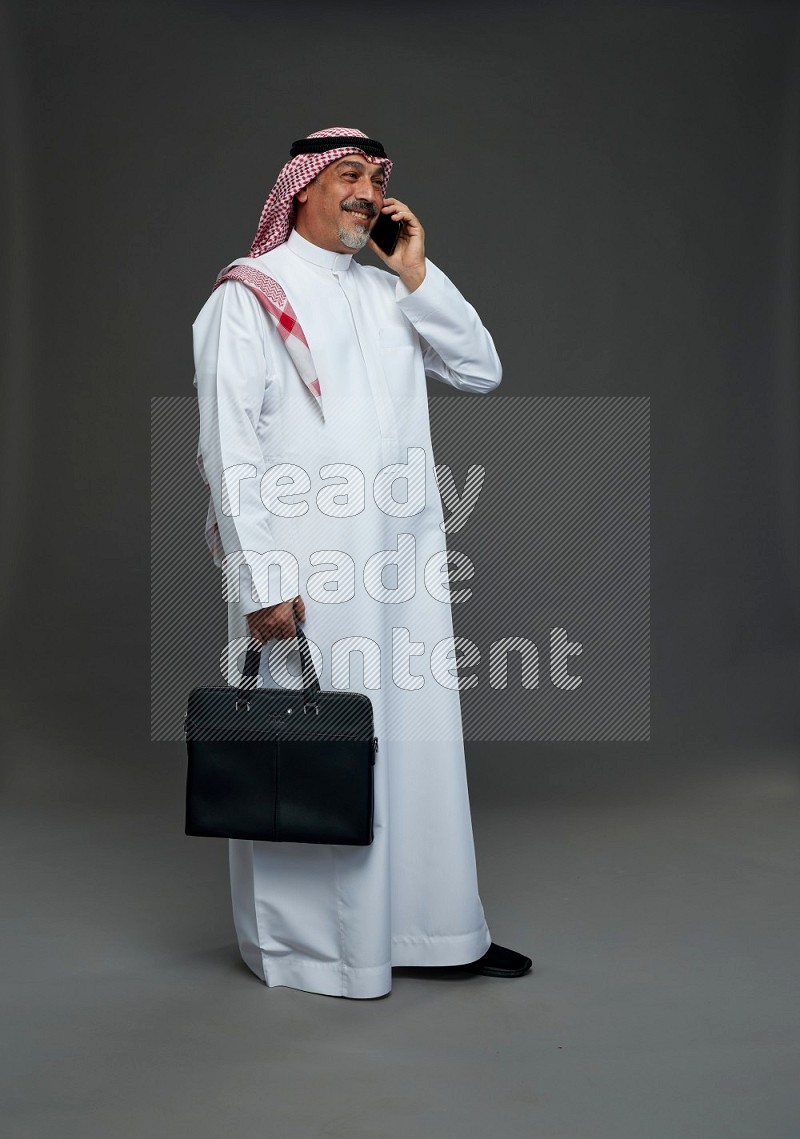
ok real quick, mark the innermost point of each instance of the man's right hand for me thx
(276, 622)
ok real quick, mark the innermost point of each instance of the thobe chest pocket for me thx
(401, 360)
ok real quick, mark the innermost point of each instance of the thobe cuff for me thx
(245, 603)
(417, 305)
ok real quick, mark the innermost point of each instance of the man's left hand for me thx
(408, 259)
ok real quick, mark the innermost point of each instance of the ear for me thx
(302, 195)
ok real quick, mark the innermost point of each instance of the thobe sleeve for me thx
(456, 347)
(232, 369)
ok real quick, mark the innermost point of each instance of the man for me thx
(310, 368)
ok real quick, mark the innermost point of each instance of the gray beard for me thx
(352, 238)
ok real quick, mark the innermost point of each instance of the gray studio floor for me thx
(656, 894)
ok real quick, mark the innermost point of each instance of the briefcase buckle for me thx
(308, 707)
(242, 701)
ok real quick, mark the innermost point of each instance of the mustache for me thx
(360, 207)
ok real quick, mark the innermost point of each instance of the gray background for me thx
(615, 188)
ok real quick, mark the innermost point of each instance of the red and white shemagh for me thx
(275, 224)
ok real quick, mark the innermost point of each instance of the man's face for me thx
(339, 209)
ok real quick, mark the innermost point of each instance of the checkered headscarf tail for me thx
(278, 308)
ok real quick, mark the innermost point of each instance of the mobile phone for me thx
(385, 233)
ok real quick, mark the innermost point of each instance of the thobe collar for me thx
(325, 258)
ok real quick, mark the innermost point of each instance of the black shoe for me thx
(498, 961)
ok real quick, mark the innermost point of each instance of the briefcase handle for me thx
(252, 662)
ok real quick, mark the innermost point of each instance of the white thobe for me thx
(326, 918)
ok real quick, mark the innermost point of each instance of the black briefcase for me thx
(280, 765)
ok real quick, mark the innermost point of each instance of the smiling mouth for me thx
(360, 215)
